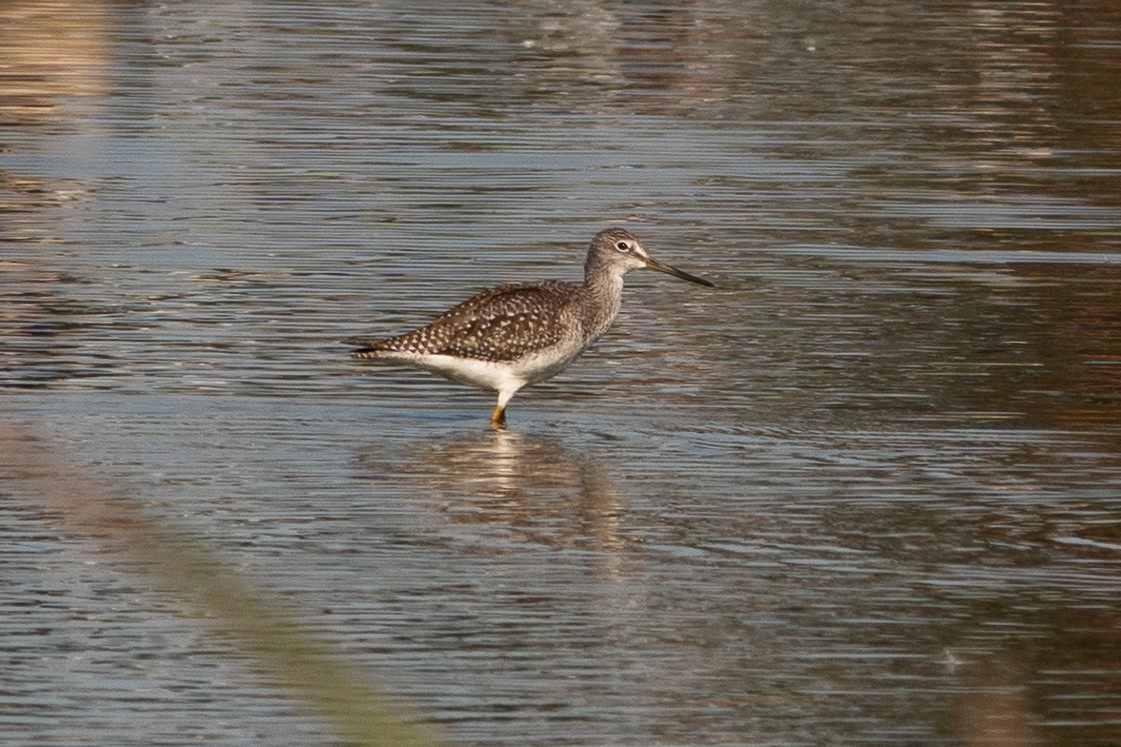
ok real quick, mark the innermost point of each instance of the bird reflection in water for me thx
(534, 486)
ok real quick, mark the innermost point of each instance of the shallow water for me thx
(866, 492)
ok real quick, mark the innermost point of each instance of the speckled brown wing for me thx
(499, 324)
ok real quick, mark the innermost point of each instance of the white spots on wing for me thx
(500, 324)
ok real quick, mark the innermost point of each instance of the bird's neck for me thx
(605, 293)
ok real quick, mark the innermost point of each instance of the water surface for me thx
(866, 492)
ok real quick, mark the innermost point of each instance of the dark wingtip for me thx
(364, 347)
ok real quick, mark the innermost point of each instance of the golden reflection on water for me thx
(51, 49)
(50, 52)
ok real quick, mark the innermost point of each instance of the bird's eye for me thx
(623, 246)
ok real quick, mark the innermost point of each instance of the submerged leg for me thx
(498, 417)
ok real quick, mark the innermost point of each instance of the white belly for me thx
(507, 376)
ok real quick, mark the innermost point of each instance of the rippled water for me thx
(866, 492)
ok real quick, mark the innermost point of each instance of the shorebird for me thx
(510, 336)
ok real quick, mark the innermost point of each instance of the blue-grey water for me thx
(867, 492)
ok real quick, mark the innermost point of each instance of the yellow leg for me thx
(498, 417)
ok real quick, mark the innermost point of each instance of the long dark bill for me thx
(656, 265)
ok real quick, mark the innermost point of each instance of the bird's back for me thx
(499, 324)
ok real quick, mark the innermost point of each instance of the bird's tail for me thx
(364, 347)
